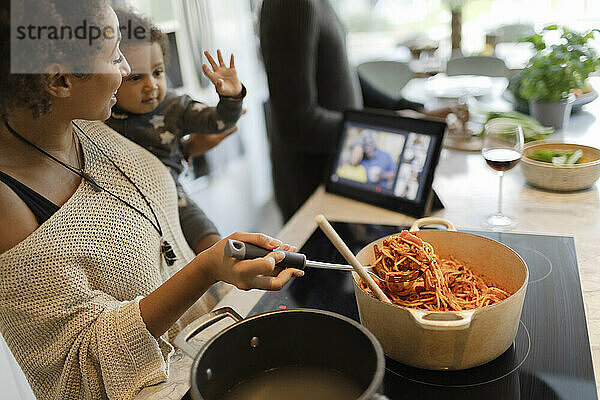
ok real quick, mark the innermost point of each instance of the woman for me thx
(351, 167)
(95, 274)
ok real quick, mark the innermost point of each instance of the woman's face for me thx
(93, 96)
(356, 155)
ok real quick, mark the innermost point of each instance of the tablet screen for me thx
(386, 161)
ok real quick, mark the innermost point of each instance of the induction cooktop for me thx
(550, 358)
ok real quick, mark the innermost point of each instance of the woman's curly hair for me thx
(26, 90)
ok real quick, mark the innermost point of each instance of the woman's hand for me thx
(224, 78)
(206, 242)
(258, 273)
(199, 144)
(162, 307)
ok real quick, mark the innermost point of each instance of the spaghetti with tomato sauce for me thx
(446, 284)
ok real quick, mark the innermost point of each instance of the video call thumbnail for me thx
(370, 157)
(382, 160)
(413, 161)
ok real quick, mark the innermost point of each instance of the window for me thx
(376, 27)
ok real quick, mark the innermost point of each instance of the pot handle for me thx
(431, 220)
(463, 321)
(183, 337)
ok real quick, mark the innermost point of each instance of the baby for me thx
(157, 119)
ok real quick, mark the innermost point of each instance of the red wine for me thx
(501, 159)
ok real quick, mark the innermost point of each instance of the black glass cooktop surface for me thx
(550, 358)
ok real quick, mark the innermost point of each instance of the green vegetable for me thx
(575, 157)
(532, 129)
(557, 157)
(543, 156)
(560, 160)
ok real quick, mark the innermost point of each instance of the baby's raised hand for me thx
(224, 78)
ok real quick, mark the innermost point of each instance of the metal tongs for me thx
(245, 251)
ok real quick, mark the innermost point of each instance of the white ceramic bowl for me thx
(561, 177)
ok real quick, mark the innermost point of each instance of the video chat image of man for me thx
(370, 157)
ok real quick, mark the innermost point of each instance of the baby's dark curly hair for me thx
(26, 90)
(129, 18)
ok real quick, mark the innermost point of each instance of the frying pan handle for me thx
(207, 320)
(463, 320)
(432, 220)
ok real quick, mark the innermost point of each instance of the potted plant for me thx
(554, 72)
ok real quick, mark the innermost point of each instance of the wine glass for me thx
(502, 150)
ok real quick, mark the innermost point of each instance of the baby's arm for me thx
(198, 144)
(199, 231)
(198, 118)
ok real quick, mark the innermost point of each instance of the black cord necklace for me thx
(165, 247)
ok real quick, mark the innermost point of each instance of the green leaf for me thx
(554, 70)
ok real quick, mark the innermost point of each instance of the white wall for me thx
(234, 196)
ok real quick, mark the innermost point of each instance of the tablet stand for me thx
(433, 204)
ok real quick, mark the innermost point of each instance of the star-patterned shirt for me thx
(159, 131)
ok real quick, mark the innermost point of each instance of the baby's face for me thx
(145, 88)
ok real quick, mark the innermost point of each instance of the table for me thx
(468, 189)
(417, 90)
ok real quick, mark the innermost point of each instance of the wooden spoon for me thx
(339, 244)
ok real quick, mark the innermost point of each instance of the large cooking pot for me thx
(441, 340)
(283, 340)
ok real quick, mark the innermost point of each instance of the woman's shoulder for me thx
(277, 11)
(109, 141)
(98, 130)
(294, 4)
(106, 146)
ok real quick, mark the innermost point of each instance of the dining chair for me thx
(387, 76)
(477, 65)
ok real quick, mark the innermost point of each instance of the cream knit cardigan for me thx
(69, 293)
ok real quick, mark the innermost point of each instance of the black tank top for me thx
(41, 207)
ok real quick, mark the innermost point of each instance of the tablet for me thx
(387, 160)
